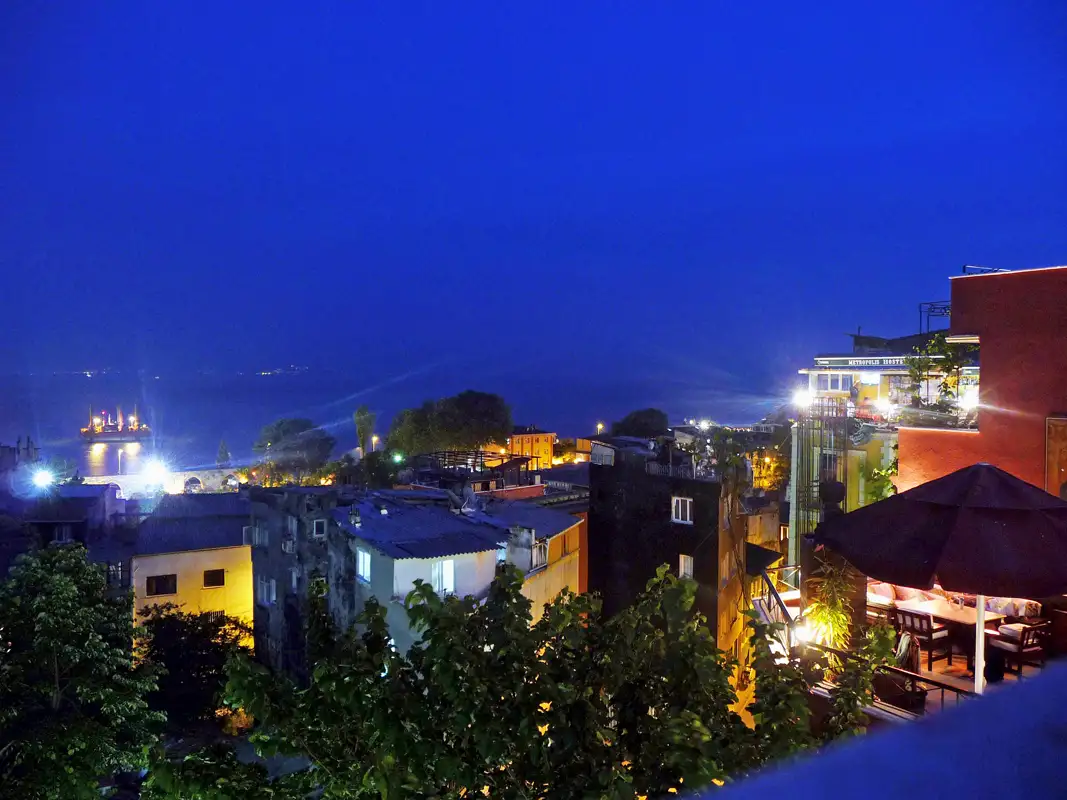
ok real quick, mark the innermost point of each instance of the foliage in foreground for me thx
(190, 652)
(72, 702)
(575, 706)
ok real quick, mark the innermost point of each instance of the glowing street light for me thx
(599, 428)
(156, 472)
(803, 398)
(969, 400)
(374, 442)
(398, 457)
(704, 424)
(43, 478)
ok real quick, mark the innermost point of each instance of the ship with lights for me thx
(103, 427)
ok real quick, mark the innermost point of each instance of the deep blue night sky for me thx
(477, 190)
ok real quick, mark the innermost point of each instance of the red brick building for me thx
(1019, 320)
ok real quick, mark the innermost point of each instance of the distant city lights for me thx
(43, 478)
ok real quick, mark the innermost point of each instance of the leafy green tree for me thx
(855, 683)
(215, 773)
(365, 419)
(574, 706)
(647, 423)
(222, 460)
(467, 421)
(294, 445)
(190, 652)
(72, 702)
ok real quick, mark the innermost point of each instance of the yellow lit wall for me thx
(561, 572)
(234, 598)
(535, 445)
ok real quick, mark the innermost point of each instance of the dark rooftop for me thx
(224, 504)
(178, 534)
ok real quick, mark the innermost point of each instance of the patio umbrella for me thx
(979, 530)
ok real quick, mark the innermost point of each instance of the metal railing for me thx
(917, 680)
(773, 610)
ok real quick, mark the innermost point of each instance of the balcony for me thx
(685, 471)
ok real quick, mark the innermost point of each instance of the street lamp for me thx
(599, 428)
(43, 478)
(374, 442)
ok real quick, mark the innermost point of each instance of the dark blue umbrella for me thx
(979, 530)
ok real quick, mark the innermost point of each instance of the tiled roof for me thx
(177, 534)
(221, 504)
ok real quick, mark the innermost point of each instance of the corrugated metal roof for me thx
(414, 529)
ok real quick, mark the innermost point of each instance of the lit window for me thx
(156, 585)
(682, 510)
(443, 577)
(214, 578)
(685, 566)
(363, 564)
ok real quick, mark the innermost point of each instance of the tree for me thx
(190, 652)
(294, 444)
(222, 460)
(467, 421)
(215, 773)
(647, 423)
(365, 419)
(72, 702)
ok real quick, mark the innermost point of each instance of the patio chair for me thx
(1022, 644)
(926, 632)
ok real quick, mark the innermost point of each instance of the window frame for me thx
(685, 566)
(438, 575)
(149, 593)
(361, 555)
(539, 555)
(677, 502)
(315, 528)
(207, 585)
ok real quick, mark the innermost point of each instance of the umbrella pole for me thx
(979, 645)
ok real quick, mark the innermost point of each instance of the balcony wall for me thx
(1020, 319)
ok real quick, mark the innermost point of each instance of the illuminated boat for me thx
(103, 427)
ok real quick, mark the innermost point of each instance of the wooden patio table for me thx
(956, 617)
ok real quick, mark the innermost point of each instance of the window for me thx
(294, 524)
(363, 564)
(214, 578)
(62, 534)
(443, 576)
(114, 574)
(255, 536)
(682, 510)
(685, 566)
(822, 383)
(320, 528)
(266, 591)
(540, 555)
(294, 579)
(502, 552)
(156, 585)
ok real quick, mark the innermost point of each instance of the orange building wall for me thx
(1021, 319)
(535, 445)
